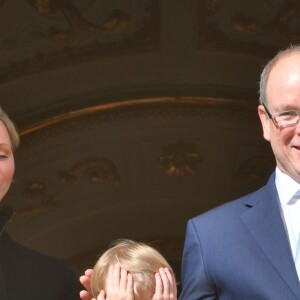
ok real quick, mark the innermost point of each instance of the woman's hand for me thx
(85, 281)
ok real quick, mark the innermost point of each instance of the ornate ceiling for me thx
(134, 115)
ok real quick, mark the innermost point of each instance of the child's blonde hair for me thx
(138, 259)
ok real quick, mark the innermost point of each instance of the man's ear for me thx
(265, 122)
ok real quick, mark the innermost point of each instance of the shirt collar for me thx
(286, 187)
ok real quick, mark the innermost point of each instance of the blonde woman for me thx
(24, 273)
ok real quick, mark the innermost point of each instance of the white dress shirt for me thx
(287, 188)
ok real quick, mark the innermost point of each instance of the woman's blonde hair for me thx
(138, 259)
(11, 129)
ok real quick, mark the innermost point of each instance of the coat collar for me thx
(6, 213)
(264, 221)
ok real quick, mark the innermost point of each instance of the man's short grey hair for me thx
(263, 97)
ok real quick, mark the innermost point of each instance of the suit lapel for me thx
(264, 221)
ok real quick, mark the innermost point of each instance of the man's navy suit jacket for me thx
(240, 250)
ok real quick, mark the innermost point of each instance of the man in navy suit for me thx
(249, 248)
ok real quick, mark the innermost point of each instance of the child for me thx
(132, 271)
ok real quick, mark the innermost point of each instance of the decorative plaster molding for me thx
(39, 198)
(180, 159)
(251, 27)
(100, 171)
(56, 33)
(255, 169)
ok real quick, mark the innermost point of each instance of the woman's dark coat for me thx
(29, 275)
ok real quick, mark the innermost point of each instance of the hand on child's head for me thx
(101, 296)
(119, 284)
(165, 285)
(85, 281)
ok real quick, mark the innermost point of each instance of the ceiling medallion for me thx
(180, 159)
